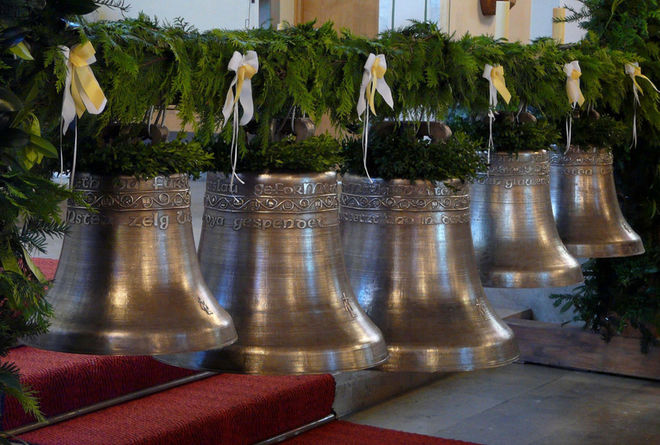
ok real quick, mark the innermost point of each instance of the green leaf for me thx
(33, 267)
(21, 50)
(43, 146)
(8, 260)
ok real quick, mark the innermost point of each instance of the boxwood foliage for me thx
(128, 153)
(587, 132)
(510, 135)
(314, 155)
(400, 154)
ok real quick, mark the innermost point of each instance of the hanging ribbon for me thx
(634, 71)
(496, 84)
(245, 68)
(373, 79)
(82, 92)
(575, 97)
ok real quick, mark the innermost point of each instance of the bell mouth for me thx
(282, 361)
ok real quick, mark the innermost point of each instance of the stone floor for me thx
(527, 404)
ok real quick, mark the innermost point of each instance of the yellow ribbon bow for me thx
(82, 92)
(496, 84)
(377, 72)
(573, 91)
(244, 72)
(245, 67)
(373, 80)
(497, 76)
(634, 71)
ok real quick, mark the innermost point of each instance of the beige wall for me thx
(466, 16)
(360, 16)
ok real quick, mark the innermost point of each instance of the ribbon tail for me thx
(75, 155)
(384, 90)
(246, 102)
(90, 91)
(569, 130)
(633, 144)
(228, 107)
(68, 105)
(362, 103)
(365, 145)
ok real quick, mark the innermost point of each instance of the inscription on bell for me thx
(159, 221)
(279, 223)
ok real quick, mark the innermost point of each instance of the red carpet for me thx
(346, 433)
(69, 381)
(47, 266)
(225, 409)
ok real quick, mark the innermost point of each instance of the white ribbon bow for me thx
(245, 67)
(633, 70)
(81, 92)
(575, 97)
(373, 80)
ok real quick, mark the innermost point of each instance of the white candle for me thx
(502, 20)
(559, 28)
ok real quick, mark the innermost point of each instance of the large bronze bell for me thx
(271, 252)
(128, 281)
(410, 259)
(515, 238)
(585, 206)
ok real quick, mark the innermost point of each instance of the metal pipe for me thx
(107, 404)
(292, 433)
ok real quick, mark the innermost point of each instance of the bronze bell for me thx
(585, 205)
(128, 281)
(515, 238)
(410, 259)
(271, 253)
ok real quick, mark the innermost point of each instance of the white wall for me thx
(541, 25)
(203, 14)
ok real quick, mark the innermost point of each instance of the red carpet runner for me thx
(222, 410)
(66, 382)
(346, 433)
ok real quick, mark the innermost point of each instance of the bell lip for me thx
(187, 361)
(102, 346)
(533, 279)
(619, 249)
(474, 366)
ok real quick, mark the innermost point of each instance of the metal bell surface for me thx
(515, 237)
(586, 208)
(128, 281)
(410, 259)
(271, 253)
